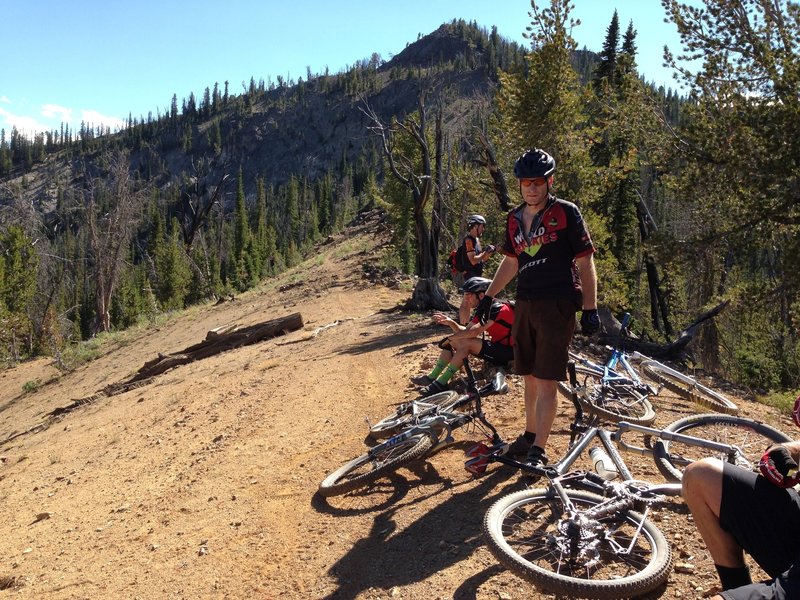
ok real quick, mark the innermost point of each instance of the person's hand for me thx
(778, 466)
(441, 318)
(484, 309)
(590, 321)
(490, 249)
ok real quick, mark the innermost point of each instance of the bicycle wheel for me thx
(750, 437)
(576, 555)
(376, 463)
(611, 402)
(688, 388)
(395, 423)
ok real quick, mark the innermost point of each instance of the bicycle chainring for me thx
(639, 491)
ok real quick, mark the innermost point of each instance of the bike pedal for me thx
(477, 465)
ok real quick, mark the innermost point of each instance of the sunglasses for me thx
(537, 181)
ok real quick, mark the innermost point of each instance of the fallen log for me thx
(218, 340)
(675, 350)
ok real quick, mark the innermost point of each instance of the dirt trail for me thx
(202, 484)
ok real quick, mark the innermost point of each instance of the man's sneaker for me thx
(518, 449)
(434, 388)
(535, 458)
(422, 380)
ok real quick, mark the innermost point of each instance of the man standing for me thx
(548, 246)
(474, 258)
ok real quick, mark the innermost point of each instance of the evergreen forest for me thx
(691, 198)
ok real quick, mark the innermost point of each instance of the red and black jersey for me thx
(502, 316)
(547, 253)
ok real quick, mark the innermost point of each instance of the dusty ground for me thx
(202, 484)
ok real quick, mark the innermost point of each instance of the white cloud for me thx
(94, 119)
(54, 111)
(25, 125)
(5, 100)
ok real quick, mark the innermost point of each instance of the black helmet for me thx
(475, 285)
(475, 219)
(534, 163)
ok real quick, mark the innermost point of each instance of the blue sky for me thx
(101, 60)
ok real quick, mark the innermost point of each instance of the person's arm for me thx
(588, 277)
(472, 330)
(442, 319)
(481, 257)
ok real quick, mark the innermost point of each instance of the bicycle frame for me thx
(583, 434)
(432, 420)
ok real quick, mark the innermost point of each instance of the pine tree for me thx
(174, 273)
(606, 70)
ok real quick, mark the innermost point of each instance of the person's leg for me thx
(444, 359)
(545, 409)
(702, 491)
(461, 350)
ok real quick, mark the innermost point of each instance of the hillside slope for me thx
(202, 484)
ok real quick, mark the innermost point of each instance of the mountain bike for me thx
(613, 390)
(419, 428)
(588, 535)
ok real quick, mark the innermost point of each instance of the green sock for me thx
(448, 372)
(438, 368)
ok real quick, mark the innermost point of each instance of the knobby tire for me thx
(526, 532)
(612, 403)
(373, 465)
(689, 389)
(751, 437)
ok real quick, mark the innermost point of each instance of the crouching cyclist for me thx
(738, 511)
(469, 339)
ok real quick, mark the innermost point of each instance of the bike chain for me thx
(639, 491)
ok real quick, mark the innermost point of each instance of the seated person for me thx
(468, 340)
(738, 511)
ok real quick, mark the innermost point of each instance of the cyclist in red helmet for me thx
(738, 511)
(548, 248)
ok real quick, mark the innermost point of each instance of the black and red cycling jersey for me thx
(471, 244)
(502, 317)
(547, 253)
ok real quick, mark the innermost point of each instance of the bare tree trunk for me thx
(416, 174)
(110, 226)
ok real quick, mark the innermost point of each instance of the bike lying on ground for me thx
(416, 429)
(615, 391)
(611, 394)
(587, 534)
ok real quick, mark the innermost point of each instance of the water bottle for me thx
(603, 464)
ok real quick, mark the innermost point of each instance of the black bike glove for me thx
(484, 309)
(778, 466)
(590, 321)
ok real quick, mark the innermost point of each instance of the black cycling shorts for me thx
(764, 520)
(497, 354)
